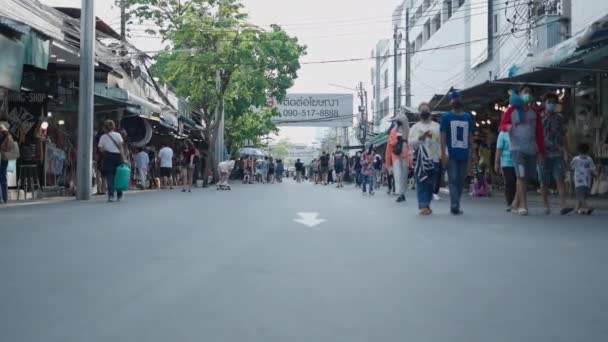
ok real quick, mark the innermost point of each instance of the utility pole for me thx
(219, 139)
(408, 60)
(85, 100)
(123, 19)
(362, 111)
(366, 112)
(396, 94)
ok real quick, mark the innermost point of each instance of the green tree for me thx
(281, 149)
(220, 62)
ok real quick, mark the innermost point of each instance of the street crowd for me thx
(531, 147)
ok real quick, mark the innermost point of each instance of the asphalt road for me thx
(235, 266)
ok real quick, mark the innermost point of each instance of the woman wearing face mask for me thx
(525, 128)
(424, 136)
(397, 153)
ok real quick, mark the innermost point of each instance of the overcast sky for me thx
(332, 29)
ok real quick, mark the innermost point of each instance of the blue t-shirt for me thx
(504, 145)
(458, 129)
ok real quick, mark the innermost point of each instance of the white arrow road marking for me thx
(309, 219)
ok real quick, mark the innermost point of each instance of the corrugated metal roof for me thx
(31, 13)
(14, 25)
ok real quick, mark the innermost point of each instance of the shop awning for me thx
(105, 103)
(379, 139)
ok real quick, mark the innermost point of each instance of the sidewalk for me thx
(54, 200)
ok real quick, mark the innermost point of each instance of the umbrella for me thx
(251, 152)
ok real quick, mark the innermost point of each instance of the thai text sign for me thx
(315, 110)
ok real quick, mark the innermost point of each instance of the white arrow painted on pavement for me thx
(309, 219)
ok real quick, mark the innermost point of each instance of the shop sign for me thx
(314, 110)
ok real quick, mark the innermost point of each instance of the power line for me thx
(318, 37)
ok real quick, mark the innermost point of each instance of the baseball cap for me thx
(4, 126)
(454, 95)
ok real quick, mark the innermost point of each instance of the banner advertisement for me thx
(314, 110)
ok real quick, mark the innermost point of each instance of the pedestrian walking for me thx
(526, 134)
(141, 160)
(165, 155)
(187, 165)
(553, 166)
(339, 162)
(9, 150)
(377, 170)
(584, 169)
(279, 170)
(367, 169)
(299, 170)
(264, 169)
(271, 170)
(111, 145)
(397, 153)
(249, 170)
(330, 169)
(456, 138)
(503, 164)
(425, 138)
(324, 167)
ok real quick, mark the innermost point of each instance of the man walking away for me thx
(166, 165)
(324, 161)
(299, 170)
(525, 128)
(457, 136)
(339, 165)
(142, 163)
(397, 152)
(553, 167)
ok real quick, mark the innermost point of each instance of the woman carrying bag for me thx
(111, 145)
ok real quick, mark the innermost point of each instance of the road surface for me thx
(246, 265)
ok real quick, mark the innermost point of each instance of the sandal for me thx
(522, 212)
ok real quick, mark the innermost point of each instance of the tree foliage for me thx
(281, 150)
(219, 61)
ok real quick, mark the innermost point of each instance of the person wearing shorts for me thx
(553, 167)
(584, 169)
(525, 128)
(166, 165)
(339, 165)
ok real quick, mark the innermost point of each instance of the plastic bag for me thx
(121, 180)
(12, 166)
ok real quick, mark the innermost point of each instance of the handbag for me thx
(119, 147)
(13, 153)
(12, 166)
(398, 148)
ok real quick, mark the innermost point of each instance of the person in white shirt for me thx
(224, 169)
(110, 144)
(166, 166)
(425, 133)
(142, 162)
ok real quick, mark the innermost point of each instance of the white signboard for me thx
(315, 110)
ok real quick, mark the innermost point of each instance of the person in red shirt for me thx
(187, 166)
(523, 122)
